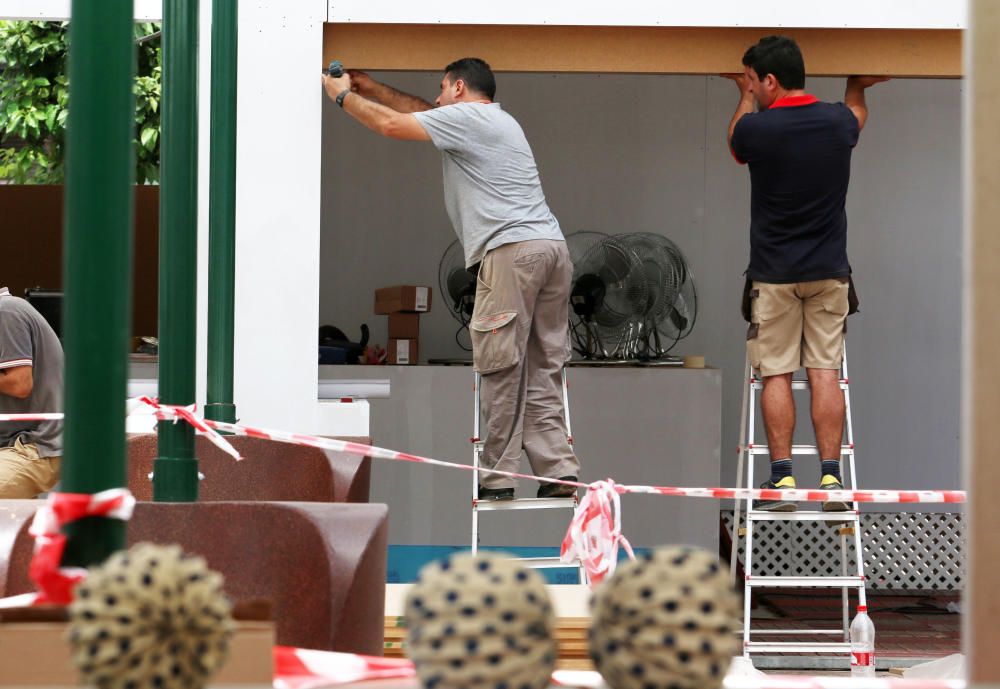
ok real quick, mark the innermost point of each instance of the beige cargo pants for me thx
(519, 345)
(25, 474)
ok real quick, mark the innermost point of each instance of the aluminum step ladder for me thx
(847, 524)
(490, 506)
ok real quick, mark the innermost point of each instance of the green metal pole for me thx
(222, 214)
(97, 268)
(175, 470)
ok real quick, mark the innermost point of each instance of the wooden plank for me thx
(36, 654)
(570, 634)
(648, 50)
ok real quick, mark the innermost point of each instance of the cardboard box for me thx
(404, 326)
(402, 298)
(403, 351)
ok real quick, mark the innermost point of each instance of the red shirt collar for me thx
(794, 101)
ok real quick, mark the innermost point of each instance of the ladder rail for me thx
(477, 450)
(748, 548)
(582, 573)
(851, 461)
(741, 454)
(845, 600)
(565, 394)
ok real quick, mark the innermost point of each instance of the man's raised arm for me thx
(854, 96)
(743, 107)
(365, 86)
(377, 117)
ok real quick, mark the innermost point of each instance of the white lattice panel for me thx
(904, 551)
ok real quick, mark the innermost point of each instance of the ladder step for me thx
(796, 647)
(525, 504)
(797, 632)
(799, 450)
(796, 384)
(806, 582)
(805, 516)
(546, 563)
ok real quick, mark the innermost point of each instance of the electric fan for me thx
(609, 293)
(459, 286)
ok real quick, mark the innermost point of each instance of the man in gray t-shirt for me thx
(31, 380)
(491, 187)
(512, 241)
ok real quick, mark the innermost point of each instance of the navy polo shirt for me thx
(799, 153)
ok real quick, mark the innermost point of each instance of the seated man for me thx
(31, 380)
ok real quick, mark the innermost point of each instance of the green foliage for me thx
(34, 95)
(147, 104)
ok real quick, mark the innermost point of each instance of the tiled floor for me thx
(906, 626)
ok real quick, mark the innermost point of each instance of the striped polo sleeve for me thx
(15, 340)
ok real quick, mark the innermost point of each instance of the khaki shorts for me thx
(23, 474)
(798, 324)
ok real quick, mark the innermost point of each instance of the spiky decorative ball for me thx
(483, 622)
(150, 617)
(665, 621)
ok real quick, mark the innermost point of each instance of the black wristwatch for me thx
(341, 96)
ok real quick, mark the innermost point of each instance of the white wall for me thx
(647, 153)
(145, 10)
(277, 201)
(915, 14)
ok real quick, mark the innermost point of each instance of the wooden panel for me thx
(35, 654)
(32, 222)
(653, 50)
(981, 367)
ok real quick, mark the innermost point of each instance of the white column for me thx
(278, 212)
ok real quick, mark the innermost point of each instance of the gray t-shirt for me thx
(491, 186)
(26, 339)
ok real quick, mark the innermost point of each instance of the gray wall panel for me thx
(639, 426)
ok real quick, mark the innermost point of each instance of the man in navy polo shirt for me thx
(799, 153)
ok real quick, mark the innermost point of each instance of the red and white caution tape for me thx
(161, 412)
(175, 414)
(165, 412)
(300, 668)
(805, 495)
(56, 583)
(49, 416)
(881, 496)
(208, 428)
(595, 532)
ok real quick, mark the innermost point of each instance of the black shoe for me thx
(496, 493)
(556, 490)
(776, 505)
